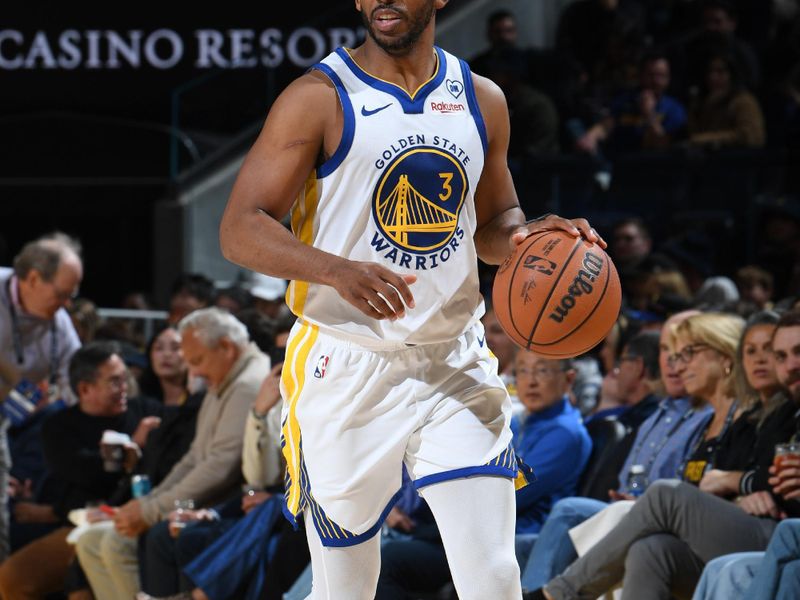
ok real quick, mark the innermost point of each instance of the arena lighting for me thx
(166, 48)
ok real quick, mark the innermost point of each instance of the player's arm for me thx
(304, 122)
(501, 224)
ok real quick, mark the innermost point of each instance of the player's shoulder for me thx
(491, 100)
(488, 93)
(309, 95)
(313, 86)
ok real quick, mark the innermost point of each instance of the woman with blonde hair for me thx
(659, 548)
(705, 360)
(765, 403)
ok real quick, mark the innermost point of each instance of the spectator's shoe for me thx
(534, 595)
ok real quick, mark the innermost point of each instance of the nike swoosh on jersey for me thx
(366, 112)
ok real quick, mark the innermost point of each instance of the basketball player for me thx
(392, 159)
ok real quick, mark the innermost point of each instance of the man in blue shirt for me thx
(661, 444)
(550, 437)
(643, 119)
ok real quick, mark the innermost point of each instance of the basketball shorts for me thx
(353, 415)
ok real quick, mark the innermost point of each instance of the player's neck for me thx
(409, 71)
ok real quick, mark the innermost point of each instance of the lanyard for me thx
(16, 336)
(636, 451)
(701, 440)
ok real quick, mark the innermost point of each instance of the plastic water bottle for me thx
(637, 480)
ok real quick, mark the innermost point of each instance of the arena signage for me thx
(163, 49)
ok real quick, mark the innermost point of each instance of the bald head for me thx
(49, 271)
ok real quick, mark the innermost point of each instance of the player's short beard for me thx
(400, 46)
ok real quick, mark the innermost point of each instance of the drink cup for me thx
(784, 451)
(180, 517)
(113, 457)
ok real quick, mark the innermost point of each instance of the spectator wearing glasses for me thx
(636, 379)
(37, 338)
(661, 445)
(660, 547)
(550, 435)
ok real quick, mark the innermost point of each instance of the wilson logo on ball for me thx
(582, 284)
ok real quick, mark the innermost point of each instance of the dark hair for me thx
(236, 293)
(734, 69)
(87, 360)
(499, 15)
(728, 7)
(196, 285)
(637, 222)
(645, 345)
(45, 254)
(788, 319)
(260, 328)
(149, 384)
(652, 55)
(284, 323)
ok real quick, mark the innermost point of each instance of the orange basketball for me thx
(557, 295)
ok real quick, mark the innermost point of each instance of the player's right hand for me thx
(375, 290)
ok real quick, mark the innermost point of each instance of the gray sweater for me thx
(212, 468)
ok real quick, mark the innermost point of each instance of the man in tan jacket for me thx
(217, 348)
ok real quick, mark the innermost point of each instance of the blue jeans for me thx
(553, 551)
(728, 577)
(779, 574)
(770, 575)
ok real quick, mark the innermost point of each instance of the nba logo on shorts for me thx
(322, 364)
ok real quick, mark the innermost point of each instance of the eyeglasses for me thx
(687, 354)
(115, 382)
(64, 295)
(538, 372)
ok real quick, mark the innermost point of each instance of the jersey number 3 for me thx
(447, 189)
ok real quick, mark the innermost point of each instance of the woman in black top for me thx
(705, 358)
(742, 469)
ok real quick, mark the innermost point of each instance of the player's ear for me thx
(358, 5)
(440, 4)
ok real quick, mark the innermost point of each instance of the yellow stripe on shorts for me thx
(293, 379)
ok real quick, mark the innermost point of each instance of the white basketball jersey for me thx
(398, 191)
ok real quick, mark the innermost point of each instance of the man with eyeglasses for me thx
(77, 472)
(37, 340)
(550, 437)
(659, 445)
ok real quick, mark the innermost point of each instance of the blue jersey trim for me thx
(354, 540)
(288, 515)
(349, 129)
(410, 106)
(472, 101)
(492, 470)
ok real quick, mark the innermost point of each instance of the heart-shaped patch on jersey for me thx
(455, 87)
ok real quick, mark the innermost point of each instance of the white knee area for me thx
(347, 573)
(476, 518)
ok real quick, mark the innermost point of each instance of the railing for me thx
(150, 317)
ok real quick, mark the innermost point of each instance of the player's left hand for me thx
(574, 227)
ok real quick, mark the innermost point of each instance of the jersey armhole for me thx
(349, 128)
(474, 108)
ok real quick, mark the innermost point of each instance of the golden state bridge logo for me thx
(416, 205)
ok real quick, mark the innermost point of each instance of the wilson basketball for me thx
(557, 295)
